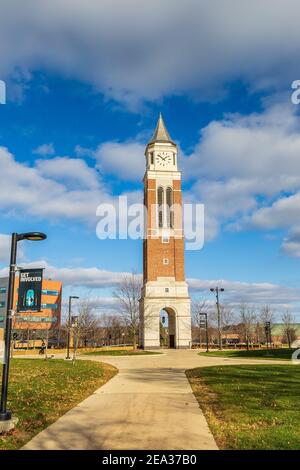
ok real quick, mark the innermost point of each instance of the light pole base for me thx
(5, 415)
(8, 425)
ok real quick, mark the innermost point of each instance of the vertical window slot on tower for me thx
(160, 203)
(169, 200)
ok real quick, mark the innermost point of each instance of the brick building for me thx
(48, 318)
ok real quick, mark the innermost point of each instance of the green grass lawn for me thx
(280, 353)
(41, 391)
(120, 352)
(250, 407)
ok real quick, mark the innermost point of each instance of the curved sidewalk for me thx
(149, 404)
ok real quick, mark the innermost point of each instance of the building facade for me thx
(48, 318)
(164, 285)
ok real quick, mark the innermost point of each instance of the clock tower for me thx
(164, 286)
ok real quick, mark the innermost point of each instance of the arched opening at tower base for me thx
(164, 326)
(167, 328)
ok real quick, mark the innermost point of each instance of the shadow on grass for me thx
(280, 353)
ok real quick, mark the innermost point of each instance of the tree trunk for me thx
(75, 345)
(58, 338)
(47, 341)
(247, 342)
(134, 340)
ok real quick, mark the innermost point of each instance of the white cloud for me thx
(249, 147)
(245, 169)
(239, 167)
(243, 165)
(69, 169)
(100, 304)
(283, 213)
(125, 160)
(4, 248)
(84, 277)
(93, 278)
(104, 304)
(291, 243)
(5, 244)
(256, 293)
(83, 151)
(37, 190)
(45, 150)
(133, 50)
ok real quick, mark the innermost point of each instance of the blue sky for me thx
(82, 103)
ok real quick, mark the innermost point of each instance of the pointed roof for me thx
(160, 134)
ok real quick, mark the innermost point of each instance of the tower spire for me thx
(160, 134)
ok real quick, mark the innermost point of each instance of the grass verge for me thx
(120, 352)
(250, 407)
(280, 353)
(41, 391)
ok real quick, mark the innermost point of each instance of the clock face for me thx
(164, 159)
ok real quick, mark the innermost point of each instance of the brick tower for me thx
(164, 285)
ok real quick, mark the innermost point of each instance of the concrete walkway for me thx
(148, 405)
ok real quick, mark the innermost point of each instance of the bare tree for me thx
(259, 330)
(84, 324)
(289, 329)
(113, 327)
(267, 316)
(107, 325)
(199, 306)
(127, 296)
(247, 319)
(44, 336)
(58, 336)
(228, 319)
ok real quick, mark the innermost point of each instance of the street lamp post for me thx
(69, 324)
(204, 314)
(217, 290)
(5, 414)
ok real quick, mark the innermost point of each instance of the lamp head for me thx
(33, 236)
